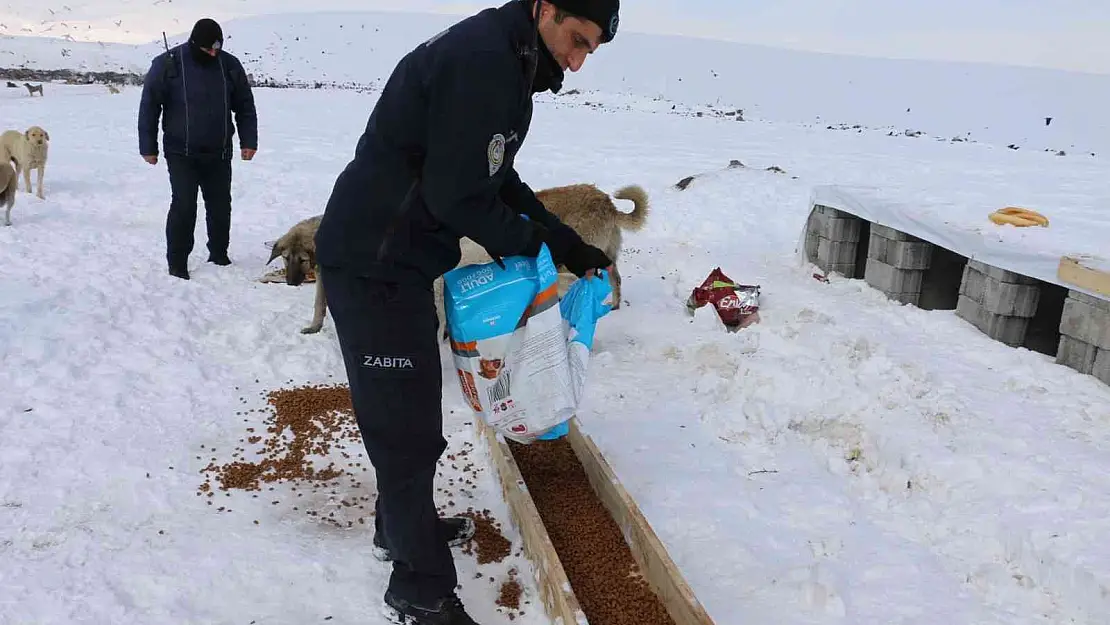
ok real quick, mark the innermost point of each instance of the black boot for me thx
(447, 611)
(179, 271)
(220, 259)
(454, 530)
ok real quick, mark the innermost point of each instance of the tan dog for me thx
(9, 188)
(297, 248)
(29, 150)
(591, 213)
(113, 89)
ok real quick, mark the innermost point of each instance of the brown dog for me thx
(591, 213)
(297, 249)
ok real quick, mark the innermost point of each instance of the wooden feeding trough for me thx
(654, 566)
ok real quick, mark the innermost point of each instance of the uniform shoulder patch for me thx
(495, 153)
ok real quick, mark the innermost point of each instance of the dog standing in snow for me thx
(29, 151)
(9, 187)
(31, 89)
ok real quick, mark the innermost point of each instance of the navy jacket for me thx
(435, 161)
(195, 102)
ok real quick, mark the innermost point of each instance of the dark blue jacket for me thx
(195, 102)
(435, 161)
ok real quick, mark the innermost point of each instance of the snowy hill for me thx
(995, 104)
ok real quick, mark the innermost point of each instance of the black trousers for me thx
(387, 333)
(212, 177)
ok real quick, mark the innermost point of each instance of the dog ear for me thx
(46, 135)
(275, 251)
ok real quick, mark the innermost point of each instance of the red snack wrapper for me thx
(737, 304)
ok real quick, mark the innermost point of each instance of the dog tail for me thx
(634, 220)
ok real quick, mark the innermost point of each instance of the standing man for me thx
(436, 163)
(195, 87)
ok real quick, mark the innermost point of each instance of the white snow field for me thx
(342, 41)
(847, 461)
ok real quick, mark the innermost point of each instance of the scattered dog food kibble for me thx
(510, 595)
(489, 543)
(304, 422)
(317, 417)
(591, 547)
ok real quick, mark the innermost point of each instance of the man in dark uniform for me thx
(435, 163)
(195, 87)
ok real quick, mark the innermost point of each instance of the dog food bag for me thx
(521, 360)
(585, 302)
(737, 304)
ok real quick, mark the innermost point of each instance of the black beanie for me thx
(207, 34)
(601, 12)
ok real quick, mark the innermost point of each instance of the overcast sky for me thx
(1066, 34)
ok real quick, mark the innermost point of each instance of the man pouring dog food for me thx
(436, 163)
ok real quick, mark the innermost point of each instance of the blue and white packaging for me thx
(521, 355)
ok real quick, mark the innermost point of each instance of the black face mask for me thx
(201, 56)
(548, 73)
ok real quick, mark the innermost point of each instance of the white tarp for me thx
(959, 223)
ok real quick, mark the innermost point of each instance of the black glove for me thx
(566, 248)
(584, 257)
(560, 241)
(540, 234)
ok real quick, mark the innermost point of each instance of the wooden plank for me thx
(1075, 273)
(561, 605)
(650, 554)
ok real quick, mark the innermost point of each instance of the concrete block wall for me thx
(832, 240)
(1085, 335)
(1002, 304)
(998, 302)
(896, 263)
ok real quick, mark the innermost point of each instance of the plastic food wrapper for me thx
(737, 304)
(521, 355)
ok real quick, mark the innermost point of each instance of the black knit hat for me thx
(207, 34)
(601, 12)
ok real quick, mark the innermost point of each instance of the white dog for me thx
(29, 151)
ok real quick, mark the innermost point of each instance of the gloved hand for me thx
(540, 235)
(583, 257)
(567, 248)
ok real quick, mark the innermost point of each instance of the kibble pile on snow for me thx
(305, 422)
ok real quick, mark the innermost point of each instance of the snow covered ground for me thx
(848, 460)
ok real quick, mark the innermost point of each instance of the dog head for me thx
(298, 252)
(35, 135)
